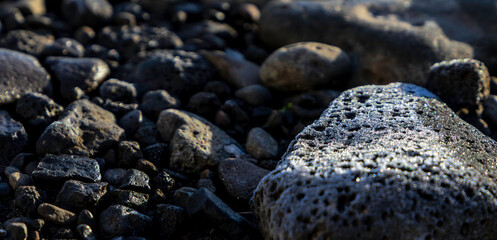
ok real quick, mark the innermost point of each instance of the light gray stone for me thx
(383, 162)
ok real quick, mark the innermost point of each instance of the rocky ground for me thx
(164, 119)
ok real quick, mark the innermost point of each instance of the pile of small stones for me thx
(167, 119)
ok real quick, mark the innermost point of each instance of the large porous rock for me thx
(21, 73)
(77, 76)
(83, 129)
(195, 143)
(387, 49)
(383, 162)
(13, 138)
(176, 71)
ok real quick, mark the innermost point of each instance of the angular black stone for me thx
(206, 207)
(57, 169)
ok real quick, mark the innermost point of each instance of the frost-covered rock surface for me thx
(383, 162)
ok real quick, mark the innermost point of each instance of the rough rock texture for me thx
(77, 75)
(136, 180)
(13, 138)
(305, 66)
(121, 220)
(83, 129)
(79, 195)
(54, 169)
(387, 49)
(195, 142)
(28, 198)
(38, 109)
(21, 73)
(460, 83)
(178, 72)
(383, 162)
(26, 41)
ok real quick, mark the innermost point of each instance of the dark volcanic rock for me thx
(114, 176)
(124, 221)
(117, 90)
(383, 162)
(131, 121)
(155, 101)
(131, 40)
(387, 50)
(21, 73)
(28, 198)
(38, 109)
(164, 181)
(54, 169)
(128, 154)
(86, 12)
(83, 129)
(132, 199)
(206, 207)
(79, 195)
(13, 138)
(461, 83)
(77, 76)
(157, 153)
(26, 41)
(136, 180)
(178, 72)
(240, 177)
(261, 145)
(65, 47)
(171, 217)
